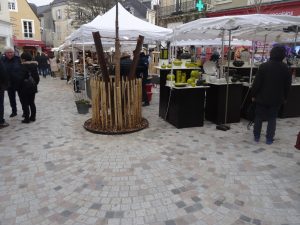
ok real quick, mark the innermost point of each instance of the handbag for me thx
(29, 84)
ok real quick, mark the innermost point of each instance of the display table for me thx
(186, 106)
(290, 109)
(292, 106)
(164, 91)
(215, 103)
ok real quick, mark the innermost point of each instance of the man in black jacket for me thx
(270, 89)
(12, 65)
(3, 86)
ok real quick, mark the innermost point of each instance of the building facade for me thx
(60, 11)
(47, 26)
(5, 26)
(176, 12)
(26, 27)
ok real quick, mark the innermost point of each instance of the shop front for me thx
(280, 8)
(31, 46)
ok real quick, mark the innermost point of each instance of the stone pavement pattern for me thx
(54, 172)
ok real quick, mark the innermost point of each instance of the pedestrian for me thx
(27, 94)
(38, 59)
(43, 63)
(270, 89)
(12, 65)
(125, 64)
(53, 66)
(3, 86)
(142, 72)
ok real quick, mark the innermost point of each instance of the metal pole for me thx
(227, 79)
(84, 70)
(73, 57)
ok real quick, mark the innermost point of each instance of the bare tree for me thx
(257, 5)
(84, 11)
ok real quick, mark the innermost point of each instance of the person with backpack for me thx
(3, 86)
(269, 91)
(28, 87)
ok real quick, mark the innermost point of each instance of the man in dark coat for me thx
(12, 65)
(270, 89)
(3, 86)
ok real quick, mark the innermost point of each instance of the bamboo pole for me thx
(117, 48)
(115, 104)
(136, 56)
(100, 55)
(112, 107)
(123, 104)
(119, 105)
(128, 103)
(109, 106)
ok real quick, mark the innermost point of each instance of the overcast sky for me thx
(40, 2)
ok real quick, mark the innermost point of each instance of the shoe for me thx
(13, 114)
(256, 139)
(32, 119)
(26, 121)
(4, 124)
(145, 104)
(269, 141)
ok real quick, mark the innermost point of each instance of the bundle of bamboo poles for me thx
(116, 108)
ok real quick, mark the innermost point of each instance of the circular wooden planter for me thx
(117, 108)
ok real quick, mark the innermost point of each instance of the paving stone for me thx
(54, 172)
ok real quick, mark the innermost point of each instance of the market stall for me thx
(253, 26)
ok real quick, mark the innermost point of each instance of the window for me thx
(28, 29)
(219, 2)
(12, 5)
(58, 14)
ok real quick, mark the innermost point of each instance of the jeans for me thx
(28, 105)
(2, 106)
(268, 113)
(12, 99)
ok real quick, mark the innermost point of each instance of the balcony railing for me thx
(177, 9)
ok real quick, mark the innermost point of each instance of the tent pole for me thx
(73, 57)
(84, 70)
(296, 36)
(225, 127)
(227, 80)
(221, 74)
(252, 63)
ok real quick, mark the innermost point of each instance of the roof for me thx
(42, 9)
(58, 1)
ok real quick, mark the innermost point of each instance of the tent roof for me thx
(130, 27)
(250, 25)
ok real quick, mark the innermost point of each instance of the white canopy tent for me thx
(240, 26)
(130, 27)
(213, 42)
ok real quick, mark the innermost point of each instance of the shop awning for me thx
(33, 43)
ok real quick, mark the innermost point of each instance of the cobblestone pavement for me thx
(54, 172)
